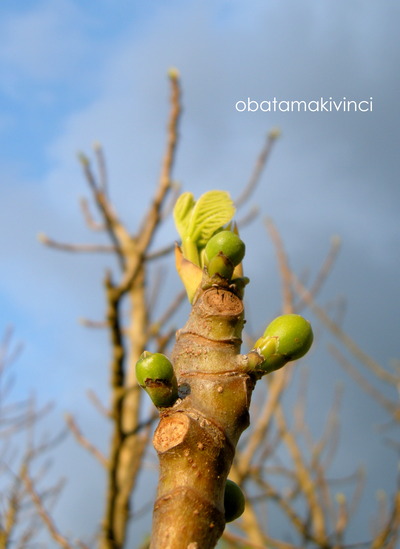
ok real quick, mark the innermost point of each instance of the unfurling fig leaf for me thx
(182, 210)
(234, 501)
(197, 221)
(211, 211)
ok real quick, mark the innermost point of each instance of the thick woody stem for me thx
(196, 438)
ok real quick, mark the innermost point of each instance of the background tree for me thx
(306, 498)
(24, 486)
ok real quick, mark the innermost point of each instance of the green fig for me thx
(155, 374)
(220, 264)
(229, 244)
(234, 501)
(288, 337)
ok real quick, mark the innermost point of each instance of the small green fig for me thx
(286, 338)
(155, 374)
(153, 366)
(234, 501)
(229, 244)
(294, 334)
(220, 264)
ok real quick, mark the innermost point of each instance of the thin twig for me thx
(146, 232)
(162, 252)
(337, 331)
(98, 404)
(301, 526)
(284, 269)
(88, 323)
(324, 271)
(43, 513)
(90, 222)
(88, 173)
(170, 311)
(258, 168)
(84, 442)
(272, 543)
(342, 517)
(154, 293)
(165, 181)
(7, 355)
(82, 248)
(390, 531)
(101, 164)
(390, 406)
(276, 386)
(144, 424)
(249, 217)
(175, 188)
(119, 236)
(163, 340)
(304, 476)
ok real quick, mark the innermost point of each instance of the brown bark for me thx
(196, 438)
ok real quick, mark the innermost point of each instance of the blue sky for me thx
(72, 73)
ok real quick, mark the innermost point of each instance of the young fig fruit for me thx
(288, 337)
(234, 501)
(155, 374)
(229, 244)
(221, 265)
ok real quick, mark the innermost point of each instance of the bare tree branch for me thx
(345, 339)
(44, 514)
(82, 248)
(84, 442)
(258, 168)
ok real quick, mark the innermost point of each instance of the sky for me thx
(73, 73)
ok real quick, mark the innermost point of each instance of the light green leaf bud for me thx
(234, 501)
